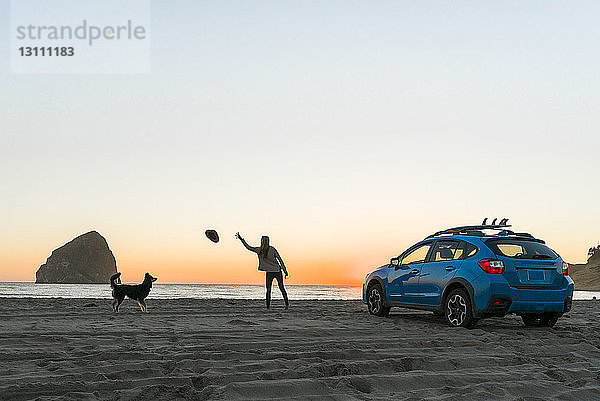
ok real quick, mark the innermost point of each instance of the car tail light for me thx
(493, 266)
(565, 268)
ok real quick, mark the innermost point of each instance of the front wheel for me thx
(458, 310)
(376, 301)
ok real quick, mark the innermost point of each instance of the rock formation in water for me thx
(587, 276)
(85, 260)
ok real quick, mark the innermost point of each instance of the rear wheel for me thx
(550, 319)
(546, 319)
(531, 320)
(376, 301)
(458, 310)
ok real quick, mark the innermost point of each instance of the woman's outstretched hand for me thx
(238, 236)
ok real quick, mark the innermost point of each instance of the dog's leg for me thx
(143, 305)
(119, 302)
(114, 305)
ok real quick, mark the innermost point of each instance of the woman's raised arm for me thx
(248, 247)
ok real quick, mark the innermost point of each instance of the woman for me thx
(269, 261)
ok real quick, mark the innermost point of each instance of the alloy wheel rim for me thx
(457, 310)
(374, 300)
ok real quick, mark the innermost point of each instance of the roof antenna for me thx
(494, 221)
(503, 222)
(484, 222)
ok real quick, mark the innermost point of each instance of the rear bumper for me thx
(493, 296)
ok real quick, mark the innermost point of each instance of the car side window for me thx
(465, 250)
(471, 250)
(446, 250)
(417, 255)
(460, 252)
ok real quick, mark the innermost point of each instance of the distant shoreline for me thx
(577, 287)
(178, 291)
(240, 284)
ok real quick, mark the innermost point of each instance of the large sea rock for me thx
(85, 260)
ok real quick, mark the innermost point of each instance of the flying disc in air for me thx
(212, 235)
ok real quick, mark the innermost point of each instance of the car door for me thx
(404, 279)
(440, 268)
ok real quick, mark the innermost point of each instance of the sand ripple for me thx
(212, 349)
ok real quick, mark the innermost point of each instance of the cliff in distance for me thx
(587, 276)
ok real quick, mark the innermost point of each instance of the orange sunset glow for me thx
(318, 257)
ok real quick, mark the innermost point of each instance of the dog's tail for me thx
(113, 278)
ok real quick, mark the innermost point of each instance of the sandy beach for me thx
(235, 349)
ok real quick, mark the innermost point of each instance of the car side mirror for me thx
(395, 262)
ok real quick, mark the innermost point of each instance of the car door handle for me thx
(449, 268)
(414, 271)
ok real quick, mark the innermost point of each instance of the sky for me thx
(345, 130)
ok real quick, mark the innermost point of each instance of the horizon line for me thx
(197, 283)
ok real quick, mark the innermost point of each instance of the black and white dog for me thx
(137, 292)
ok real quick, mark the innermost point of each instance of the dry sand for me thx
(223, 349)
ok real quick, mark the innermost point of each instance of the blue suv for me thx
(472, 272)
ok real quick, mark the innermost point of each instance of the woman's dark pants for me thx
(279, 276)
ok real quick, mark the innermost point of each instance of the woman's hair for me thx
(264, 246)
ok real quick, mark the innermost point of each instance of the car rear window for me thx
(520, 249)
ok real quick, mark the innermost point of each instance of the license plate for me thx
(535, 275)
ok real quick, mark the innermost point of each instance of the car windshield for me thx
(519, 249)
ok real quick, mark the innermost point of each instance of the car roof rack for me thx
(471, 230)
(476, 230)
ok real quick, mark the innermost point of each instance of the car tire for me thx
(531, 320)
(376, 301)
(547, 319)
(458, 309)
(550, 318)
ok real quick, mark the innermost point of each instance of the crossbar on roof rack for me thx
(461, 229)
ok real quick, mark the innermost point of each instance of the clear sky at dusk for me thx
(345, 130)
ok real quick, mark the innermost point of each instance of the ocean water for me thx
(199, 291)
(172, 291)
